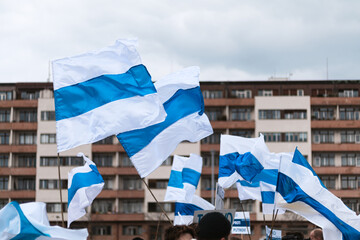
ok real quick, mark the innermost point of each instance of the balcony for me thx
(233, 124)
(335, 124)
(19, 104)
(18, 171)
(337, 170)
(210, 102)
(118, 217)
(335, 147)
(124, 194)
(107, 148)
(118, 170)
(18, 148)
(19, 194)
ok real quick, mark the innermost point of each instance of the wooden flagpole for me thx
(61, 201)
(247, 227)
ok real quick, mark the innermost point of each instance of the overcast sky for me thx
(228, 39)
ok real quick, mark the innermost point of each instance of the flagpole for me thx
(143, 179)
(61, 201)
(247, 227)
(158, 227)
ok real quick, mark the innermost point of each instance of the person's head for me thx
(293, 236)
(179, 232)
(316, 234)
(213, 226)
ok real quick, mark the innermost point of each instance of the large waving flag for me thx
(183, 102)
(301, 191)
(184, 178)
(184, 211)
(103, 93)
(84, 184)
(29, 221)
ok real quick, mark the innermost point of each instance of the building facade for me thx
(321, 118)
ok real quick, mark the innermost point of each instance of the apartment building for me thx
(321, 118)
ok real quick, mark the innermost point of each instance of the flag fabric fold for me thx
(29, 221)
(184, 178)
(300, 191)
(84, 184)
(184, 105)
(184, 211)
(103, 93)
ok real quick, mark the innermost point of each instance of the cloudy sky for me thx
(228, 39)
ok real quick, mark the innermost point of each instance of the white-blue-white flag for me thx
(29, 221)
(183, 102)
(184, 211)
(275, 234)
(103, 93)
(300, 190)
(84, 184)
(184, 178)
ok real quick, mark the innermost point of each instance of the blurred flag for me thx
(275, 234)
(301, 191)
(183, 102)
(184, 211)
(29, 221)
(184, 178)
(103, 93)
(84, 184)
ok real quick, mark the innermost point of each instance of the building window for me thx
(102, 206)
(350, 136)
(64, 161)
(349, 93)
(269, 114)
(215, 114)
(300, 92)
(272, 137)
(352, 203)
(282, 114)
(109, 182)
(323, 113)
(247, 205)
(158, 183)
(240, 114)
(168, 207)
(3, 202)
(101, 230)
(53, 184)
(4, 138)
(131, 206)
(4, 115)
(351, 113)
(4, 160)
(323, 136)
(265, 92)
(168, 161)
(207, 159)
(103, 159)
(48, 116)
(131, 183)
(108, 140)
(324, 160)
(212, 94)
(206, 182)
(241, 133)
(6, 95)
(295, 137)
(349, 182)
(24, 183)
(4, 183)
(55, 207)
(27, 138)
(350, 159)
(241, 93)
(28, 160)
(49, 138)
(294, 114)
(30, 95)
(124, 160)
(28, 115)
(213, 138)
(132, 230)
(328, 181)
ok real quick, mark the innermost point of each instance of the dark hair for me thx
(213, 225)
(293, 236)
(174, 232)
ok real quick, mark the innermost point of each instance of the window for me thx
(269, 114)
(125, 160)
(108, 140)
(28, 115)
(247, 205)
(328, 181)
(55, 207)
(30, 95)
(4, 137)
(350, 136)
(109, 182)
(215, 114)
(168, 207)
(349, 93)
(158, 183)
(48, 116)
(350, 113)
(130, 183)
(102, 206)
(265, 92)
(64, 161)
(168, 161)
(272, 137)
(324, 159)
(212, 139)
(4, 160)
(206, 182)
(4, 183)
(131, 206)
(4, 115)
(241, 133)
(6, 95)
(293, 114)
(241, 93)
(52, 184)
(101, 230)
(240, 114)
(132, 230)
(350, 159)
(24, 183)
(300, 92)
(3, 202)
(352, 203)
(295, 137)
(349, 182)
(28, 160)
(103, 159)
(49, 138)
(212, 94)
(323, 136)
(207, 159)
(323, 113)
(27, 138)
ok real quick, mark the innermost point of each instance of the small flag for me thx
(29, 221)
(103, 93)
(184, 104)
(184, 211)
(275, 234)
(84, 184)
(241, 223)
(184, 178)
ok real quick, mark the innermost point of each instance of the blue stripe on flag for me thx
(27, 230)
(83, 97)
(253, 184)
(180, 105)
(268, 176)
(248, 166)
(190, 176)
(175, 179)
(186, 209)
(80, 180)
(292, 192)
(267, 197)
(227, 164)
